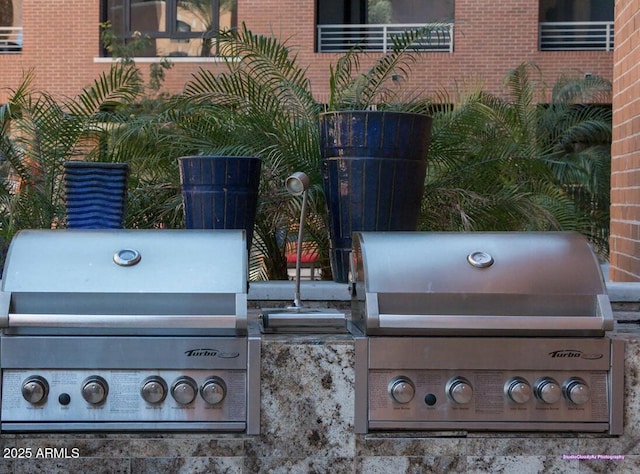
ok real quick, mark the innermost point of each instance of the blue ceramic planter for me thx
(96, 194)
(373, 169)
(220, 192)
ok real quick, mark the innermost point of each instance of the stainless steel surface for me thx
(302, 319)
(477, 383)
(297, 184)
(191, 279)
(475, 283)
(128, 330)
(200, 321)
(483, 331)
(81, 261)
(121, 383)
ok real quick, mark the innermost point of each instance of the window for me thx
(576, 25)
(369, 24)
(576, 10)
(170, 27)
(10, 26)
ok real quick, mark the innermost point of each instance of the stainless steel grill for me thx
(483, 331)
(128, 330)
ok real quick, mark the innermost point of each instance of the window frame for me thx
(170, 32)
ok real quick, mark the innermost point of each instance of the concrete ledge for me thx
(282, 290)
(623, 292)
(619, 292)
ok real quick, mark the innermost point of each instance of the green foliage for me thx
(125, 50)
(350, 89)
(495, 162)
(512, 164)
(260, 106)
(39, 133)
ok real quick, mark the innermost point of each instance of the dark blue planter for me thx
(95, 194)
(220, 192)
(373, 168)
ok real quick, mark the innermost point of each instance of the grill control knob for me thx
(95, 390)
(576, 391)
(184, 390)
(401, 389)
(35, 390)
(213, 390)
(153, 390)
(518, 390)
(459, 390)
(547, 391)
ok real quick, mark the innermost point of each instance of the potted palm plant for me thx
(261, 106)
(264, 105)
(374, 149)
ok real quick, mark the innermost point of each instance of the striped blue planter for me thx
(373, 169)
(95, 194)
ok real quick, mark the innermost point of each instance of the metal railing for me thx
(576, 36)
(10, 39)
(378, 38)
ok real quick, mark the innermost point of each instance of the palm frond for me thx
(121, 85)
(350, 89)
(509, 163)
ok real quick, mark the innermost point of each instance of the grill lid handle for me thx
(5, 301)
(199, 321)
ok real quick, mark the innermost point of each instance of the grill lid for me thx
(126, 278)
(500, 283)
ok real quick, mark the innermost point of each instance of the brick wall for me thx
(491, 37)
(625, 150)
(59, 44)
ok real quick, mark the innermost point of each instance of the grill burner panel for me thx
(490, 383)
(123, 366)
(123, 403)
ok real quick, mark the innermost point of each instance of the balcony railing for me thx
(378, 38)
(576, 36)
(10, 39)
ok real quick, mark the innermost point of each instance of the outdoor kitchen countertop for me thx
(307, 418)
